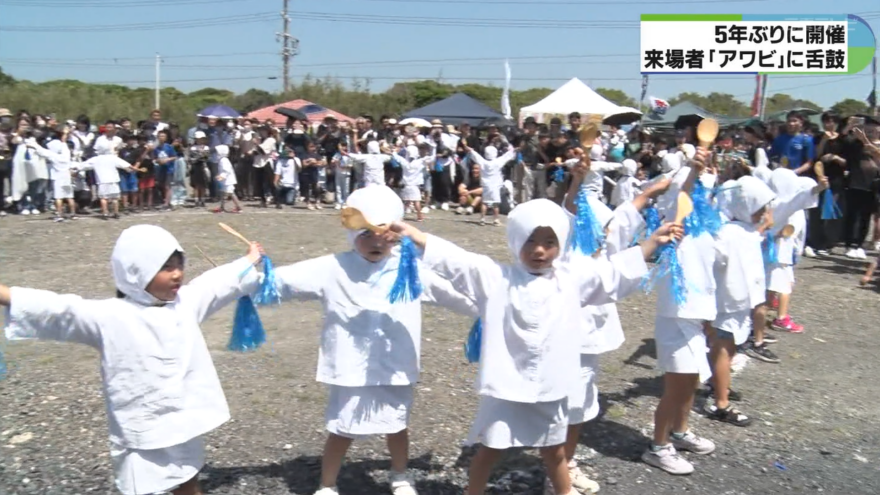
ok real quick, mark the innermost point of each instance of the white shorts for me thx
(410, 193)
(739, 324)
(62, 189)
(681, 347)
(229, 189)
(780, 278)
(502, 424)
(360, 411)
(108, 191)
(583, 402)
(156, 471)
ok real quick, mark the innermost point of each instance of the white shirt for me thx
(739, 268)
(106, 167)
(227, 172)
(414, 170)
(287, 168)
(159, 382)
(531, 334)
(58, 155)
(265, 158)
(366, 340)
(697, 258)
(107, 146)
(491, 176)
(374, 166)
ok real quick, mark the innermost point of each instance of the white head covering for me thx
(749, 194)
(373, 147)
(222, 150)
(670, 162)
(786, 184)
(726, 198)
(380, 205)
(630, 167)
(490, 153)
(667, 204)
(602, 212)
(596, 152)
(412, 152)
(689, 151)
(140, 252)
(527, 217)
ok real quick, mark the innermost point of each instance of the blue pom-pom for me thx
(559, 175)
(588, 234)
(407, 286)
(652, 220)
(668, 265)
(830, 210)
(768, 247)
(474, 341)
(268, 293)
(706, 216)
(247, 329)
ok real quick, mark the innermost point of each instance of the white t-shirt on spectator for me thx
(107, 146)
(287, 168)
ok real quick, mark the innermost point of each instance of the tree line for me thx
(68, 98)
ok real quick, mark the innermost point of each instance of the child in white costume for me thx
(57, 153)
(530, 342)
(491, 178)
(106, 169)
(372, 163)
(601, 323)
(418, 159)
(227, 180)
(679, 336)
(153, 355)
(370, 347)
(627, 186)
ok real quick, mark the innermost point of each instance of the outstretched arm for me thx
(214, 289)
(41, 314)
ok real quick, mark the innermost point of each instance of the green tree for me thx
(251, 100)
(781, 102)
(617, 96)
(850, 106)
(6, 79)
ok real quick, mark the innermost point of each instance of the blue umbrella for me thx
(219, 111)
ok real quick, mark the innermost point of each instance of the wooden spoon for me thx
(707, 131)
(232, 231)
(588, 135)
(685, 207)
(353, 219)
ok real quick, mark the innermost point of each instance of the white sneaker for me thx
(444, 207)
(401, 484)
(581, 482)
(459, 211)
(860, 254)
(327, 490)
(809, 253)
(469, 210)
(425, 209)
(692, 443)
(2, 213)
(337, 207)
(876, 245)
(667, 459)
(25, 212)
(549, 490)
(852, 254)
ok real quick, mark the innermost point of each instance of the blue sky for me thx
(231, 43)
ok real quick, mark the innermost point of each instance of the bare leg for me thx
(235, 201)
(557, 468)
(331, 461)
(71, 205)
(759, 323)
(720, 356)
(398, 447)
(191, 487)
(678, 396)
(784, 301)
(115, 203)
(481, 469)
(571, 440)
(103, 206)
(419, 215)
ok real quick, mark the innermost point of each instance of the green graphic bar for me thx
(691, 17)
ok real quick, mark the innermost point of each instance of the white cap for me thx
(200, 135)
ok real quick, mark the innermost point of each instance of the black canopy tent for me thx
(457, 109)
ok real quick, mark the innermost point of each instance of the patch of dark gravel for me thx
(816, 428)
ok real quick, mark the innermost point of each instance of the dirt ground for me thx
(816, 429)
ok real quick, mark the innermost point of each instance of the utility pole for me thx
(158, 63)
(289, 46)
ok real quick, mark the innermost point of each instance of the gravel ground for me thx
(816, 427)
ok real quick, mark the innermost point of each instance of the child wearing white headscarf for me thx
(627, 186)
(227, 180)
(373, 164)
(739, 276)
(370, 347)
(531, 338)
(417, 160)
(160, 386)
(679, 334)
(106, 169)
(491, 178)
(58, 154)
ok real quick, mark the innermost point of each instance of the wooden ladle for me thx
(353, 219)
(684, 208)
(232, 231)
(588, 134)
(707, 131)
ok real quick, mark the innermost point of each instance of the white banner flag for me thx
(505, 96)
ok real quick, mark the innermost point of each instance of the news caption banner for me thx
(755, 44)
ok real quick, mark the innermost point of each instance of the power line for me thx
(104, 4)
(100, 29)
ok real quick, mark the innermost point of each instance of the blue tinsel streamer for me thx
(668, 264)
(438, 167)
(27, 154)
(830, 210)
(268, 293)
(394, 162)
(588, 234)
(247, 329)
(559, 175)
(474, 341)
(706, 215)
(407, 286)
(652, 220)
(768, 247)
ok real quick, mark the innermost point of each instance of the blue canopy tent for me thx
(457, 109)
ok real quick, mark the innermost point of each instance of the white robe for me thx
(491, 177)
(160, 386)
(59, 157)
(373, 165)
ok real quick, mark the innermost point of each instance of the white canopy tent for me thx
(573, 96)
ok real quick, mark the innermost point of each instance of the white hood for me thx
(527, 217)
(490, 153)
(140, 253)
(222, 150)
(380, 205)
(373, 147)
